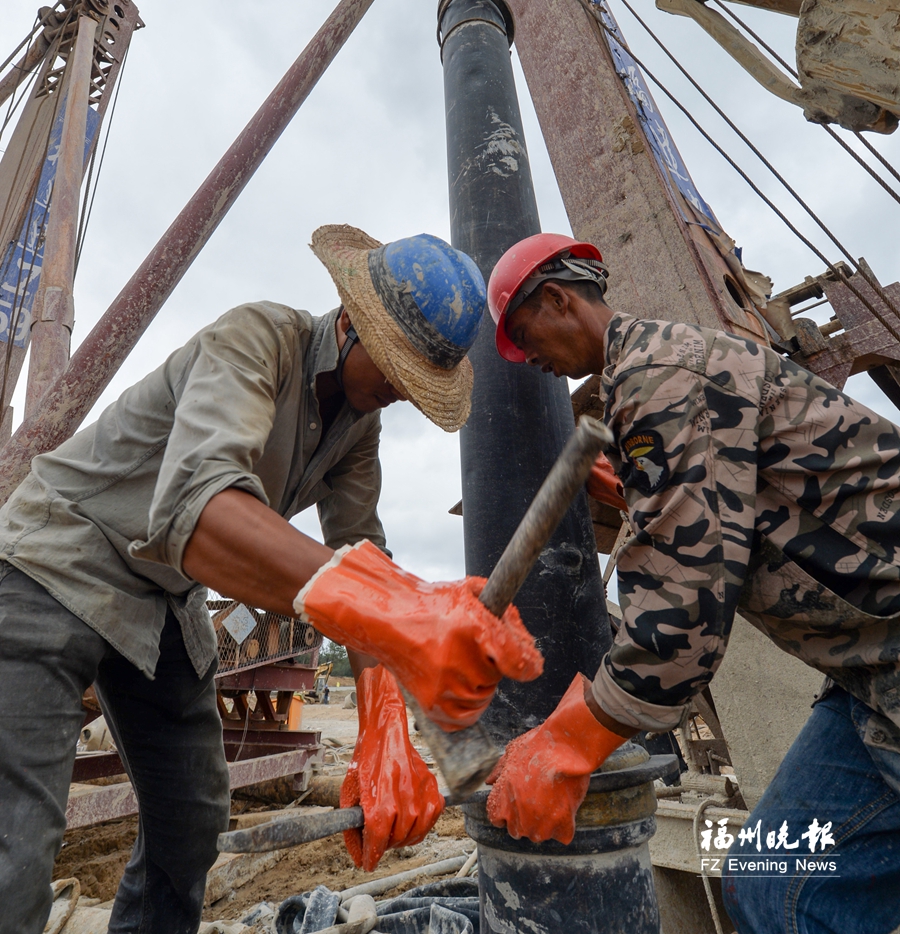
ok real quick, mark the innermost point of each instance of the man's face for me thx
(365, 386)
(548, 337)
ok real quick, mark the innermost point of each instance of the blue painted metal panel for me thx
(661, 144)
(20, 268)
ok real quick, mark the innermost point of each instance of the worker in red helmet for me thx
(751, 485)
(519, 273)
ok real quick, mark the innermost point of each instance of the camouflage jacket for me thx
(752, 485)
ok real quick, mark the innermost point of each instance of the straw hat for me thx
(442, 392)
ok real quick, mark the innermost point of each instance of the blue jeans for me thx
(829, 774)
(169, 736)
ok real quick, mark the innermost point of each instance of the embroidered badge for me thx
(645, 457)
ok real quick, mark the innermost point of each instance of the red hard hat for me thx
(515, 266)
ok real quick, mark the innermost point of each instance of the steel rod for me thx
(304, 828)
(553, 499)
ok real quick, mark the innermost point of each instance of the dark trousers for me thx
(169, 736)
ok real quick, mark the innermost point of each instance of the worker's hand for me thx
(604, 485)
(542, 779)
(387, 777)
(443, 645)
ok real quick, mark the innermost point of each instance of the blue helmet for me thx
(435, 293)
(417, 305)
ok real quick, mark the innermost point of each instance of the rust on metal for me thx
(253, 744)
(53, 312)
(614, 193)
(268, 678)
(26, 64)
(864, 343)
(26, 152)
(68, 400)
(92, 804)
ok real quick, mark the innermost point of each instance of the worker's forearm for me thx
(246, 551)
(614, 726)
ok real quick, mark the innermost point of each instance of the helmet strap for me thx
(566, 268)
(351, 338)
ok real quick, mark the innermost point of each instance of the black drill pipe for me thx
(521, 418)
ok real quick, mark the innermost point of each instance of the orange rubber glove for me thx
(442, 644)
(399, 796)
(604, 485)
(542, 779)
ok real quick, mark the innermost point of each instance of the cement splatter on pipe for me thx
(67, 401)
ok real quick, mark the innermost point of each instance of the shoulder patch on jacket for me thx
(644, 457)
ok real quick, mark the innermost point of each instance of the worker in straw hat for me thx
(187, 481)
(751, 486)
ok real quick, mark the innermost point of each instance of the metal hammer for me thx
(467, 757)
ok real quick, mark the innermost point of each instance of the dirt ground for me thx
(325, 862)
(97, 855)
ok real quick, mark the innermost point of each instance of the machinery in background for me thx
(316, 694)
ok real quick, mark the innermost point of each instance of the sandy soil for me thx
(332, 720)
(96, 856)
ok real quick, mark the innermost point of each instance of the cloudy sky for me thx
(368, 149)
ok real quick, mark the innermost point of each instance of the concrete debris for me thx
(96, 736)
(66, 893)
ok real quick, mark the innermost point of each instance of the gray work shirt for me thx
(102, 521)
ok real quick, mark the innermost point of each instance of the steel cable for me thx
(38, 22)
(13, 101)
(836, 271)
(835, 136)
(87, 205)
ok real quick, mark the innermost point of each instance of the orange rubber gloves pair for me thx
(604, 485)
(387, 777)
(439, 640)
(542, 779)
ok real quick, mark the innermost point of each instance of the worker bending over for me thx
(187, 482)
(753, 486)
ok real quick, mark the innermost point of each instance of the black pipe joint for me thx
(454, 13)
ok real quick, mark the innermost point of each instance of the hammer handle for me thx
(304, 828)
(292, 831)
(566, 478)
(466, 757)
